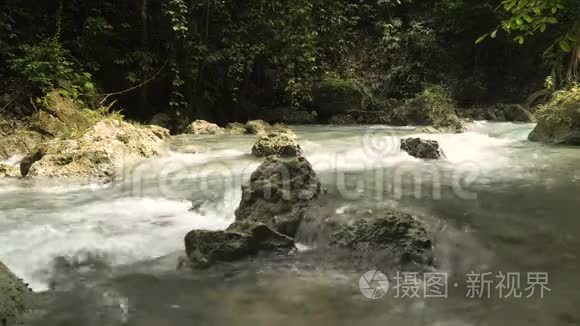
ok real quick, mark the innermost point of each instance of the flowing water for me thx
(497, 204)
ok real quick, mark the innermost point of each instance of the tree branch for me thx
(134, 87)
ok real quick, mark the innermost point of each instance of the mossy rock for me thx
(19, 141)
(13, 297)
(278, 194)
(202, 127)
(559, 120)
(333, 96)
(281, 144)
(432, 107)
(63, 117)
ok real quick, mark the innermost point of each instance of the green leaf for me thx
(537, 11)
(565, 46)
(494, 34)
(481, 39)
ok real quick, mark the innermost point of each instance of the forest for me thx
(224, 60)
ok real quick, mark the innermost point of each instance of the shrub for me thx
(46, 66)
(564, 108)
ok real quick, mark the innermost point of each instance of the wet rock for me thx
(202, 127)
(342, 119)
(8, 171)
(258, 127)
(388, 233)
(99, 153)
(333, 96)
(240, 240)
(281, 144)
(279, 193)
(516, 113)
(555, 133)
(13, 297)
(236, 128)
(421, 148)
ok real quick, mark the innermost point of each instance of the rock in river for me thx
(281, 144)
(421, 148)
(388, 233)
(99, 153)
(240, 240)
(13, 294)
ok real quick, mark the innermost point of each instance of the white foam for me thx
(126, 229)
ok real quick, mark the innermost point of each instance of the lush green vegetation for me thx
(218, 60)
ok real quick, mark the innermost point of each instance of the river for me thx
(498, 204)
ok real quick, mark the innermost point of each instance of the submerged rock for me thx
(99, 153)
(388, 233)
(202, 127)
(13, 293)
(281, 144)
(240, 240)
(421, 148)
(279, 193)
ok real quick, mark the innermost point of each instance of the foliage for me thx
(47, 67)
(564, 108)
(433, 106)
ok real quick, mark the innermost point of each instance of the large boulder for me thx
(516, 113)
(421, 148)
(274, 143)
(202, 127)
(258, 127)
(333, 96)
(13, 297)
(279, 193)
(388, 233)
(240, 240)
(559, 120)
(99, 153)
